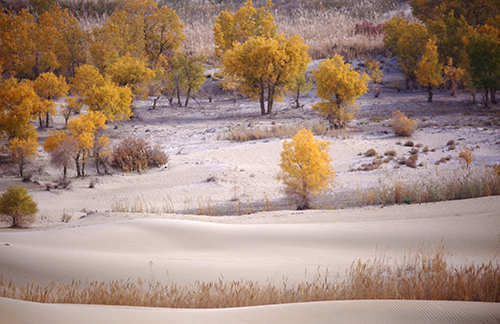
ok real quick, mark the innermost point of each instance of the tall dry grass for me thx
(424, 275)
(252, 133)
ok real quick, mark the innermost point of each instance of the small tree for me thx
(429, 69)
(302, 84)
(454, 75)
(18, 205)
(49, 87)
(306, 169)
(186, 75)
(376, 75)
(23, 150)
(265, 67)
(339, 86)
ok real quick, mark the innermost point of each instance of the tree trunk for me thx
(178, 97)
(47, 120)
(262, 101)
(270, 99)
(297, 103)
(486, 100)
(155, 101)
(21, 166)
(187, 97)
(431, 93)
(40, 120)
(77, 165)
(65, 171)
(493, 96)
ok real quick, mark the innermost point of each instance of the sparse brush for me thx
(136, 154)
(424, 275)
(402, 125)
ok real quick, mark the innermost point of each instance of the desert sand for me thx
(169, 245)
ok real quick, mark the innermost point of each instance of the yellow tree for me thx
(238, 27)
(87, 77)
(264, 67)
(71, 43)
(132, 72)
(102, 94)
(84, 129)
(454, 75)
(49, 87)
(339, 86)
(429, 70)
(17, 204)
(112, 100)
(376, 75)
(306, 169)
(407, 41)
(18, 103)
(23, 150)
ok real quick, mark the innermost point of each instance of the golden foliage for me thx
(429, 69)
(238, 27)
(466, 156)
(132, 72)
(306, 169)
(49, 87)
(402, 125)
(407, 41)
(186, 75)
(264, 67)
(453, 74)
(339, 86)
(18, 103)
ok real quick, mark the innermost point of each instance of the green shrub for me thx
(17, 204)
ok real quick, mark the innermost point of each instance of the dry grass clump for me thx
(461, 184)
(411, 161)
(252, 133)
(371, 152)
(136, 154)
(141, 204)
(424, 275)
(402, 125)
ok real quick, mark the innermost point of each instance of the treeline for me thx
(49, 56)
(457, 41)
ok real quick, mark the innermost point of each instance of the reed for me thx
(424, 275)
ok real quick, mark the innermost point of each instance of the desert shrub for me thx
(17, 204)
(390, 153)
(466, 156)
(402, 125)
(409, 144)
(305, 168)
(136, 154)
(414, 150)
(371, 152)
(412, 161)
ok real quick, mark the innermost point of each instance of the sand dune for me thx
(372, 311)
(183, 251)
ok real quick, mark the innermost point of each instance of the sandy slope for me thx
(373, 311)
(182, 251)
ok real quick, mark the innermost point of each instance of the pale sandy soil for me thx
(175, 247)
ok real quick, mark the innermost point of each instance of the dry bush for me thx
(135, 154)
(371, 152)
(390, 153)
(402, 125)
(412, 161)
(423, 275)
(252, 133)
(466, 156)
